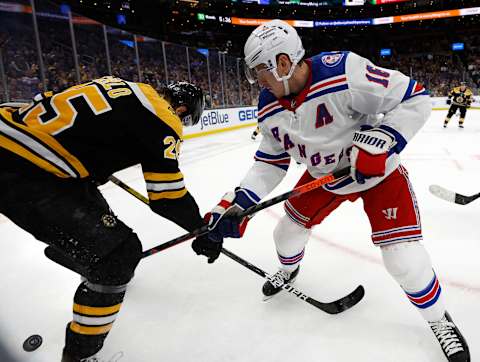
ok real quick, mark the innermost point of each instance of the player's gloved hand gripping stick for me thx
(252, 210)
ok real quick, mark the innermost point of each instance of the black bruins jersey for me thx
(460, 98)
(95, 129)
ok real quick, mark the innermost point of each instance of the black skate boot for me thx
(278, 279)
(451, 340)
(67, 357)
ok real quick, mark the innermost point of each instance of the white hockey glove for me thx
(369, 154)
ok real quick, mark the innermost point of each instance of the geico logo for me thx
(247, 114)
(213, 117)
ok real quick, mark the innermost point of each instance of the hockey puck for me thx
(32, 343)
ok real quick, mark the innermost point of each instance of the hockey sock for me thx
(94, 311)
(290, 240)
(460, 122)
(410, 265)
(446, 121)
(427, 300)
(291, 262)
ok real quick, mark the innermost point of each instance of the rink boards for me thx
(228, 119)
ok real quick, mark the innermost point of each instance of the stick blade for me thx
(342, 304)
(442, 193)
(463, 200)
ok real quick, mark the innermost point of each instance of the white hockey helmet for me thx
(266, 42)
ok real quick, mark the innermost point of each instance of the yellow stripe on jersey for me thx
(162, 108)
(49, 141)
(25, 153)
(96, 311)
(467, 91)
(159, 177)
(167, 194)
(77, 328)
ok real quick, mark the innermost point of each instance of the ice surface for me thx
(180, 309)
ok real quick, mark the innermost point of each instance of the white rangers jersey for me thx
(344, 93)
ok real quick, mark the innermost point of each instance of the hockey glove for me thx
(223, 219)
(449, 101)
(369, 154)
(208, 245)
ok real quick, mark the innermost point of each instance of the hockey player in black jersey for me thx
(459, 98)
(57, 149)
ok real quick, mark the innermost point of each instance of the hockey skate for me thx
(66, 357)
(451, 340)
(460, 126)
(270, 288)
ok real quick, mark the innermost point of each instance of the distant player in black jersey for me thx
(459, 98)
(57, 149)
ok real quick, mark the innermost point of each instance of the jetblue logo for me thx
(212, 118)
(390, 213)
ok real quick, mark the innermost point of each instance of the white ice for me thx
(180, 309)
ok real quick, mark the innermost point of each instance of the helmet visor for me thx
(250, 74)
(192, 117)
(187, 120)
(253, 75)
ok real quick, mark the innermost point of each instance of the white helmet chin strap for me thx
(286, 87)
(285, 78)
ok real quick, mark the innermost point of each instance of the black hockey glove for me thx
(449, 101)
(209, 245)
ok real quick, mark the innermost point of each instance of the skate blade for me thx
(266, 298)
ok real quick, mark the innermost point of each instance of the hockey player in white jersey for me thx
(321, 112)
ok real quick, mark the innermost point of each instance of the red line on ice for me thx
(372, 260)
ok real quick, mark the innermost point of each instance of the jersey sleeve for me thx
(158, 133)
(268, 170)
(469, 95)
(374, 90)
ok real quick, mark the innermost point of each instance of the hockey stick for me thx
(335, 307)
(451, 196)
(127, 188)
(252, 210)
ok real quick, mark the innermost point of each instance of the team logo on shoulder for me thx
(331, 60)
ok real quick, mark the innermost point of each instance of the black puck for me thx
(32, 343)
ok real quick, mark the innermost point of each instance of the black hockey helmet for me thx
(188, 95)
